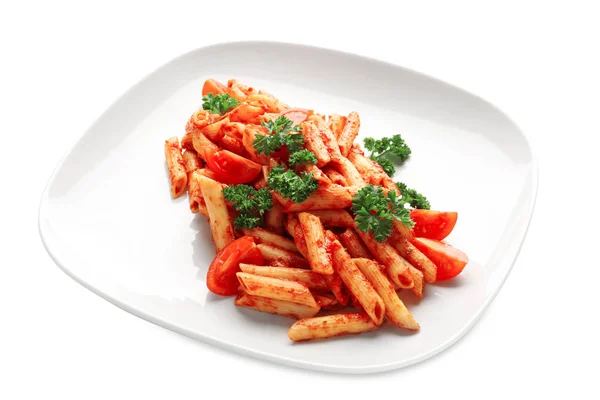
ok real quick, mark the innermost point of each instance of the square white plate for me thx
(107, 218)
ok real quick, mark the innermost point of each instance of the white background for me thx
(64, 63)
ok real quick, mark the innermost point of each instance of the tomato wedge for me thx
(449, 260)
(433, 224)
(297, 115)
(221, 278)
(229, 167)
(213, 86)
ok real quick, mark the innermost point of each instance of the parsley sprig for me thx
(412, 197)
(302, 157)
(291, 185)
(386, 151)
(251, 204)
(218, 104)
(375, 212)
(282, 132)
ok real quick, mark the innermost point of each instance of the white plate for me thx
(108, 221)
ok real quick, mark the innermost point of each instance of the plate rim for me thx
(508, 259)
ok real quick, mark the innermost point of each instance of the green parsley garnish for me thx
(282, 132)
(375, 212)
(218, 104)
(386, 151)
(412, 197)
(302, 157)
(291, 185)
(251, 204)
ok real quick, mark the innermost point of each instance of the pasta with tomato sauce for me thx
(303, 221)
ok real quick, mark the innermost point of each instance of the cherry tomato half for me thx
(221, 278)
(449, 260)
(230, 168)
(213, 86)
(433, 224)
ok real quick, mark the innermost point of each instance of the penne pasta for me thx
(274, 306)
(335, 176)
(197, 203)
(356, 281)
(418, 283)
(330, 326)
(264, 236)
(328, 138)
(333, 196)
(407, 250)
(275, 218)
(311, 279)
(234, 130)
(279, 289)
(335, 218)
(353, 244)
(201, 144)
(334, 282)
(248, 139)
(234, 145)
(349, 133)
(213, 131)
(397, 267)
(177, 173)
(349, 171)
(367, 168)
(395, 310)
(327, 301)
(277, 256)
(314, 143)
(314, 235)
(336, 124)
(191, 161)
(221, 225)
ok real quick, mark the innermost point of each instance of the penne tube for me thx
(395, 310)
(367, 168)
(419, 284)
(413, 255)
(349, 133)
(353, 244)
(213, 131)
(331, 325)
(333, 196)
(273, 288)
(356, 281)
(314, 143)
(311, 279)
(334, 282)
(277, 256)
(247, 112)
(317, 173)
(336, 218)
(199, 120)
(197, 203)
(264, 236)
(336, 124)
(397, 267)
(389, 184)
(187, 141)
(221, 225)
(234, 130)
(275, 218)
(273, 104)
(191, 161)
(233, 145)
(350, 172)
(177, 173)
(328, 138)
(335, 176)
(327, 301)
(248, 139)
(201, 143)
(314, 235)
(279, 307)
